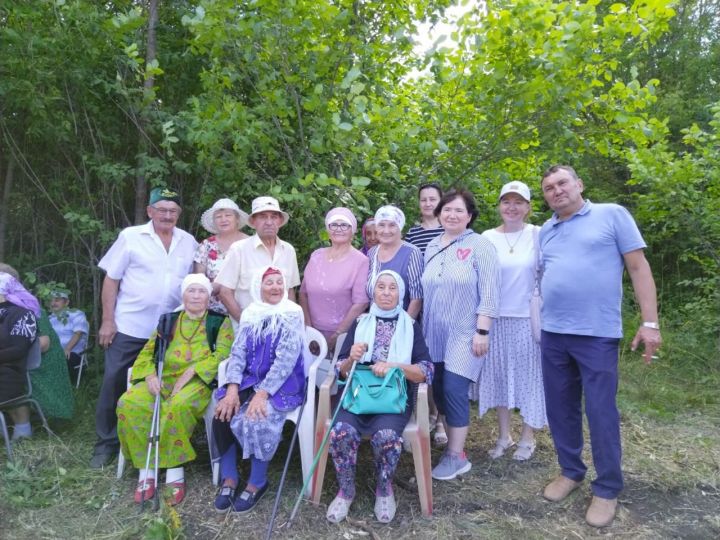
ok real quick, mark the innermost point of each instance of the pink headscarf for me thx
(15, 293)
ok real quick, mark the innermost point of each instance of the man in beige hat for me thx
(262, 249)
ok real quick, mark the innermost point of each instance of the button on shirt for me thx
(66, 323)
(150, 277)
(247, 256)
(583, 267)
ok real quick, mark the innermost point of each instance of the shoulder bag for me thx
(536, 298)
(370, 394)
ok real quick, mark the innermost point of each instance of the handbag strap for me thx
(536, 248)
(441, 250)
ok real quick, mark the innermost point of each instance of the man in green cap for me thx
(144, 269)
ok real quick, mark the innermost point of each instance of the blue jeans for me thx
(573, 365)
(450, 391)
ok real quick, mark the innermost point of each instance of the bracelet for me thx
(482, 331)
(653, 325)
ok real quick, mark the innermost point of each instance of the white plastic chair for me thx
(306, 430)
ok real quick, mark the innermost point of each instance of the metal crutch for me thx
(161, 342)
(322, 445)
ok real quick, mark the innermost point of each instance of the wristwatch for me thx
(653, 325)
(482, 331)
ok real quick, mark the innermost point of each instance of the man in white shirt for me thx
(262, 249)
(71, 326)
(144, 269)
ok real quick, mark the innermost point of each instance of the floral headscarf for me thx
(15, 293)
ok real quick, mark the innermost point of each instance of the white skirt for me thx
(511, 373)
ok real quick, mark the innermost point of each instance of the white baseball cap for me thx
(515, 187)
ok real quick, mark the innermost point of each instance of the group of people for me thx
(445, 305)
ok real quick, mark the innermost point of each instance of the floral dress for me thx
(178, 414)
(211, 256)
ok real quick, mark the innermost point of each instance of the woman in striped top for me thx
(461, 285)
(429, 227)
(394, 254)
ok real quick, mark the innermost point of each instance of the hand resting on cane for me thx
(153, 384)
(356, 353)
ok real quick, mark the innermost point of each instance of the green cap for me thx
(164, 194)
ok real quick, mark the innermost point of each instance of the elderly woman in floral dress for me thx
(199, 341)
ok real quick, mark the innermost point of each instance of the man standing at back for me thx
(144, 269)
(585, 248)
(262, 249)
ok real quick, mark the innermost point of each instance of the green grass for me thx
(670, 415)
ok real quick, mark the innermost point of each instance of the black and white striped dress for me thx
(459, 283)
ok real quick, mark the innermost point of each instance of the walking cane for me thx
(322, 446)
(164, 330)
(285, 469)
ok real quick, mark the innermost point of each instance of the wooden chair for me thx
(417, 433)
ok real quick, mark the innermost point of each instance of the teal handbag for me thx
(370, 394)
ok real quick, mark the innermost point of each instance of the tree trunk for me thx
(4, 199)
(143, 147)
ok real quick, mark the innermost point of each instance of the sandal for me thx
(385, 508)
(174, 492)
(524, 451)
(338, 509)
(440, 438)
(145, 490)
(500, 448)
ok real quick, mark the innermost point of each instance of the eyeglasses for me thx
(339, 226)
(168, 211)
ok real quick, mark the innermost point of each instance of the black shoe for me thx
(224, 499)
(98, 461)
(247, 501)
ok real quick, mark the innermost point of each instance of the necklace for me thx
(188, 354)
(512, 246)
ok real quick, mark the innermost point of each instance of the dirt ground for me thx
(672, 491)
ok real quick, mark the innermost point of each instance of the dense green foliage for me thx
(322, 102)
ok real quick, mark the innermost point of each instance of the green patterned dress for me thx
(179, 414)
(51, 382)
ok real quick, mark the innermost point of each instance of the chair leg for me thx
(83, 360)
(319, 475)
(42, 416)
(306, 441)
(6, 435)
(423, 469)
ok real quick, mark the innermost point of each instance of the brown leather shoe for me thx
(560, 488)
(601, 512)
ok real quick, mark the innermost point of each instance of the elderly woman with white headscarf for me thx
(265, 382)
(386, 338)
(392, 253)
(198, 342)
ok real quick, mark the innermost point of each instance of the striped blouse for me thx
(459, 283)
(421, 237)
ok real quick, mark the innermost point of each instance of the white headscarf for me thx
(390, 213)
(194, 279)
(261, 318)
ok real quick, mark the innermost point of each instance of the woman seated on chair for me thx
(265, 381)
(18, 330)
(386, 337)
(200, 339)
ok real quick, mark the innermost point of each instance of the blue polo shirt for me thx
(582, 269)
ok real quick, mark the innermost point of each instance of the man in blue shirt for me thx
(585, 248)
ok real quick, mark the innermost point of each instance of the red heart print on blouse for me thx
(462, 254)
